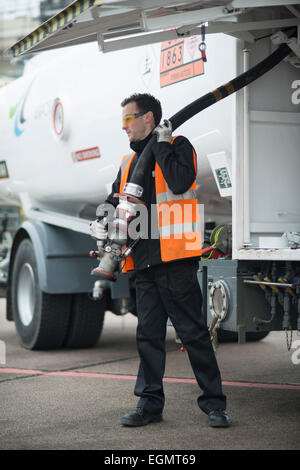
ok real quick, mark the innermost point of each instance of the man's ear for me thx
(149, 118)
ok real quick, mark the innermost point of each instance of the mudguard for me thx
(62, 257)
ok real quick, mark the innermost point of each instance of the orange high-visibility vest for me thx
(178, 216)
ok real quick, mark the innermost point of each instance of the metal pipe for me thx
(277, 284)
(246, 158)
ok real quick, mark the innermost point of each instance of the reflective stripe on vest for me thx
(125, 166)
(177, 229)
(168, 195)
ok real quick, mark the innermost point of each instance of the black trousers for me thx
(172, 290)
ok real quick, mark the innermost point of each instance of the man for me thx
(166, 265)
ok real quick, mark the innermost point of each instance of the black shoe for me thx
(218, 419)
(137, 418)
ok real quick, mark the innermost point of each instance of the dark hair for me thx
(145, 102)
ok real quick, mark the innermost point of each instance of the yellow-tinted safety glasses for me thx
(129, 118)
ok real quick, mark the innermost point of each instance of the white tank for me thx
(60, 131)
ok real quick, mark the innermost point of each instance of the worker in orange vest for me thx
(166, 262)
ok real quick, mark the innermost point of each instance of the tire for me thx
(41, 319)
(232, 336)
(86, 322)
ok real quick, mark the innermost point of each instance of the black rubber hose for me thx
(207, 100)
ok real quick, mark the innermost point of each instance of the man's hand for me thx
(98, 229)
(163, 131)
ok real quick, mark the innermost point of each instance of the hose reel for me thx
(220, 243)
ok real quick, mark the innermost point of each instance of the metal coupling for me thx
(132, 189)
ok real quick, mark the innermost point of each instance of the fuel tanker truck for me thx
(235, 96)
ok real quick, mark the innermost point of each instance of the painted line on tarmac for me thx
(133, 377)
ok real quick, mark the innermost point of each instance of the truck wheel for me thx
(41, 319)
(86, 322)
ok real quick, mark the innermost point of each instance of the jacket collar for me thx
(139, 145)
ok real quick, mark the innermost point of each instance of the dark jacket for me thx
(177, 165)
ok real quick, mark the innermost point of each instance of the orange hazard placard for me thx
(171, 56)
(175, 61)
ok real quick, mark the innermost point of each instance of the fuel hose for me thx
(207, 100)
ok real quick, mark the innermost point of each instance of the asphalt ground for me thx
(75, 399)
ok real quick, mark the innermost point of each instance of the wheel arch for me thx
(62, 257)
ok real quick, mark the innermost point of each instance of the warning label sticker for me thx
(86, 154)
(180, 59)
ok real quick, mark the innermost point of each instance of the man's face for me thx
(139, 128)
